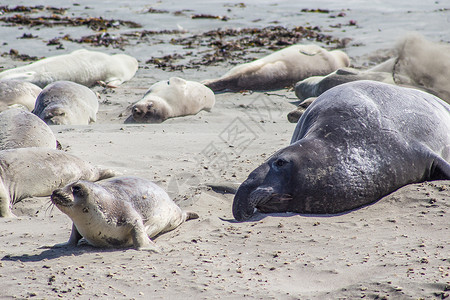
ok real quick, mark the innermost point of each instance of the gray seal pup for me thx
(314, 86)
(120, 212)
(81, 66)
(294, 115)
(172, 98)
(356, 143)
(16, 92)
(22, 129)
(66, 103)
(310, 88)
(37, 172)
(280, 69)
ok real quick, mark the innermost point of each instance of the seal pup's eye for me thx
(76, 189)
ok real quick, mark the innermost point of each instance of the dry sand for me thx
(396, 248)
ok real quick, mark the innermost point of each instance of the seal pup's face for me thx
(152, 110)
(155, 106)
(80, 196)
(71, 197)
(55, 116)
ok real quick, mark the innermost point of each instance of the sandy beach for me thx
(396, 248)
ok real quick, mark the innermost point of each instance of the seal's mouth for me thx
(146, 116)
(264, 200)
(274, 203)
(60, 198)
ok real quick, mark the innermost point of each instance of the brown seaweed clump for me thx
(205, 16)
(232, 45)
(32, 9)
(96, 24)
(13, 53)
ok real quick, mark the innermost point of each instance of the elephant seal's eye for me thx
(280, 162)
(76, 189)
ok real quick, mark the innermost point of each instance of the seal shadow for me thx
(258, 216)
(54, 253)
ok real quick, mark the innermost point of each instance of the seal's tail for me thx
(106, 173)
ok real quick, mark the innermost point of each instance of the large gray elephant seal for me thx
(172, 98)
(16, 92)
(66, 103)
(281, 69)
(356, 143)
(35, 172)
(22, 129)
(81, 66)
(119, 212)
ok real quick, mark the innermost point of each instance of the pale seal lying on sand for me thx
(16, 92)
(30, 172)
(66, 103)
(81, 66)
(280, 69)
(356, 143)
(425, 63)
(119, 212)
(172, 98)
(419, 63)
(22, 129)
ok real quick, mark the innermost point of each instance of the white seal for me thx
(281, 69)
(81, 66)
(36, 172)
(18, 93)
(119, 212)
(66, 103)
(22, 129)
(172, 98)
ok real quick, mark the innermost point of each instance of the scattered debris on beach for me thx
(233, 45)
(213, 47)
(204, 16)
(32, 9)
(13, 53)
(97, 24)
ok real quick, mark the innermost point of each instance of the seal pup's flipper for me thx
(141, 241)
(189, 215)
(5, 203)
(74, 238)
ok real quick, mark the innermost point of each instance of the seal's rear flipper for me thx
(5, 203)
(440, 169)
(190, 215)
(106, 173)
